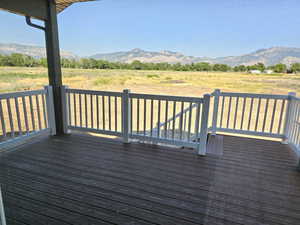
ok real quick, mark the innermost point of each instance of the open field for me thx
(155, 82)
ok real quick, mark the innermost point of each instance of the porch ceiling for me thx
(35, 8)
(63, 4)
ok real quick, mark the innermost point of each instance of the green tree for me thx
(280, 68)
(203, 66)
(295, 67)
(240, 68)
(221, 67)
(258, 66)
(137, 65)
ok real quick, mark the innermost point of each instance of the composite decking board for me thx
(90, 146)
(67, 147)
(252, 213)
(133, 150)
(194, 157)
(78, 208)
(185, 196)
(198, 211)
(284, 222)
(29, 216)
(210, 196)
(215, 145)
(119, 169)
(140, 149)
(195, 196)
(275, 180)
(119, 207)
(49, 211)
(192, 153)
(88, 167)
(12, 221)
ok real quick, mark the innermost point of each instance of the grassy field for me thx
(152, 82)
(157, 82)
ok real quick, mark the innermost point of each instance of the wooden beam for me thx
(54, 65)
(32, 8)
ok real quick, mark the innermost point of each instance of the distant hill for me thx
(147, 56)
(31, 50)
(269, 57)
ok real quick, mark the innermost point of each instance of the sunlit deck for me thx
(83, 179)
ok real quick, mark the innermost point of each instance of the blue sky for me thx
(194, 27)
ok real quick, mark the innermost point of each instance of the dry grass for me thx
(160, 82)
(153, 82)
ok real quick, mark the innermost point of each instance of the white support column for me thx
(204, 125)
(287, 121)
(50, 110)
(126, 115)
(2, 212)
(216, 95)
(65, 109)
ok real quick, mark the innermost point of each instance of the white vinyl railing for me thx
(174, 120)
(137, 116)
(2, 212)
(149, 111)
(24, 114)
(96, 111)
(292, 127)
(250, 114)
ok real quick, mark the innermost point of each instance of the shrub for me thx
(152, 76)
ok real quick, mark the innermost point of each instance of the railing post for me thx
(2, 212)
(204, 125)
(50, 110)
(126, 115)
(287, 121)
(216, 95)
(65, 109)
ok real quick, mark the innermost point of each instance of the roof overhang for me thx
(35, 8)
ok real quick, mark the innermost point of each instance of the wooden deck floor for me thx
(81, 179)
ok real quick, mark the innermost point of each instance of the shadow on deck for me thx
(82, 179)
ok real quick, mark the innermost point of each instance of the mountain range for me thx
(270, 56)
(31, 50)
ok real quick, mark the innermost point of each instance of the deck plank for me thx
(83, 179)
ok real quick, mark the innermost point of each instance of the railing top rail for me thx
(249, 95)
(93, 92)
(295, 98)
(167, 98)
(21, 94)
